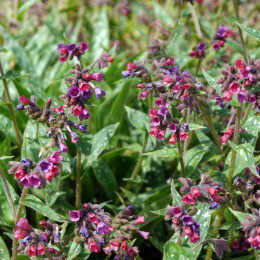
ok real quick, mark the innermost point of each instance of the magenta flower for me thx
(45, 166)
(23, 99)
(188, 199)
(93, 247)
(23, 223)
(71, 47)
(74, 92)
(177, 211)
(234, 87)
(143, 95)
(159, 102)
(34, 180)
(97, 76)
(242, 98)
(62, 147)
(102, 228)
(75, 215)
(24, 181)
(144, 234)
(84, 46)
(156, 121)
(55, 157)
(201, 46)
(172, 127)
(85, 114)
(77, 110)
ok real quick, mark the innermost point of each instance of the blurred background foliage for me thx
(30, 33)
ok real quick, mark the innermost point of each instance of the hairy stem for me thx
(179, 240)
(246, 114)
(186, 140)
(183, 174)
(19, 139)
(8, 193)
(18, 215)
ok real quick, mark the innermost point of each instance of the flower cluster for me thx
(229, 134)
(207, 190)
(55, 119)
(81, 90)
(198, 52)
(241, 82)
(252, 229)
(219, 39)
(93, 225)
(31, 174)
(183, 222)
(240, 244)
(71, 50)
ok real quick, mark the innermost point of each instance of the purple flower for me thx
(44, 238)
(82, 128)
(84, 230)
(87, 94)
(163, 111)
(99, 92)
(20, 107)
(51, 119)
(45, 166)
(252, 99)
(55, 157)
(126, 73)
(172, 127)
(177, 211)
(97, 76)
(131, 207)
(26, 161)
(187, 219)
(175, 69)
(186, 74)
(84, 46)
(242, 96)
(201, 46)
(57, 238)
(60, 46)
(75, 215)
(74, 92)
(186, 127)
(196, 227)
(34, 180)
(74, 135)
(221, 31)
(24, 181)
(102, 228)
(219, 101)
(85, 114)
(213, 205)
(143, 234)
(27, 240)
(237, 179)
(62, 147)
(71, 47)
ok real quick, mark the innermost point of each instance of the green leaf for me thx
(252, 127)
(5, 157)
(252, 32)
(26, 151)
(239, 215)
(85, 143)
(106, 178)
(6, 213)
(101, 140)
(100, 39)
(245, 153)
(195, 127)
(172, 251)
(235, 45)
(4, 254)
(3, 50)
(162, 14)
(36, 204)
(75, 249)
(230, 225)
(138, 119)
(173, 48)
(233, 19)
(160, 212)
(176, 197)
(13, 75)
(168, 152)
(211, 81)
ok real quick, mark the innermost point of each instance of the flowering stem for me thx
(246, 114)
(179, 240)
(215, 231)
(233, 156)
(183, 174)
(8, 193)
(78, 181)
(19, 140)
(198, 67)
(18, 215)
(186, 140)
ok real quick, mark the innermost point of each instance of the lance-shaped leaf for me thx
(170, 152)
(211, 81)
(252, 32)
(172, 251)
(239, 215)
(75, 249)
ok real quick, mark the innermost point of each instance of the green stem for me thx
(179, 240)
(18, 215)
(257, 257)
(180, 6)
(198, 67)
(183, 174)
(246, 114)
(19, 140)
(8, 193)
(196, 22)
(186, 141)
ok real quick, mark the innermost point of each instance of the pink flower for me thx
(49, 176)
(83, 86)
(93, 218)
(59, 109)
(93, 246)
(234, 87)
(143, 234)
(186, 86)
(187, 231)
(227, 96)
(188, 199)
(19, 173)
(24, 181)
(34, 180)
(183, 136)
(63, 59)
(159, 102)
(55, 157)
(97, 76)
(216, 46)
(75, 215)
(84, 46)
(177, 211)
(40, 249)
(23, 223)
(115, 245)
(195, 192)
(63, 148)
(240, 64)
(170, 61)
(153, 112)
(229, 132)
(167, 79)
(32, 251)
(194, 238)
(161, 135)
(19, 233)
(193, 54)
(154, 131)
(24, 100)
(77, 110)
(156, 121)
(173, 139)
(143, 95)
(131, 66)
(140, 220)
(224, 139)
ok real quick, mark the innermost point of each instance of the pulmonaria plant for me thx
(28, 173)
(207, 190)
(199, 51)
(94, 227)
(220, 37)
(183, 223)
(229, 133)
(71, 50)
